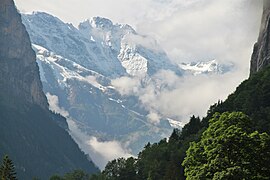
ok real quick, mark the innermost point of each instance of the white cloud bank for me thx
(175, 96)
(54, 105)
(99, 151)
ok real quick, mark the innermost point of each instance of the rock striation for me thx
(261, 52)
(19, 74)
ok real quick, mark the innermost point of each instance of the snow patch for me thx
(175, 124)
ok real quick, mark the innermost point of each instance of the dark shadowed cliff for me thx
(29, 132)
(19, 76)
(261, 52)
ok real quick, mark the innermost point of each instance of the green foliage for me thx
(120, 169)
(56, 177)
(251, 97)
(7, 169)
(192, 127)
(77, 175)
(74, 175)
(229, 149)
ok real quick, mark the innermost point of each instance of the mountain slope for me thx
(91, 100)
(77, 66)
(29, 132)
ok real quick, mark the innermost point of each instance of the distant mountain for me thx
(208, 67)
(30, 134)
(110, 49)
(93, 102)
(77, 66)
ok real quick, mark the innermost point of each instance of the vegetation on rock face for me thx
(251, 97)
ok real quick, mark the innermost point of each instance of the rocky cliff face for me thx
(19, 75)
(261, 52)
(29, 132)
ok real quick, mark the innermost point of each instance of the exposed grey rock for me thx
(29, 132)
(19, 75)
(261, 52)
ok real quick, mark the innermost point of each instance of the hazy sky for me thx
(188, 30)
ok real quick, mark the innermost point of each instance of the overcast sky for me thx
(188, 30)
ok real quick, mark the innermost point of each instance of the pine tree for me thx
(7, 169)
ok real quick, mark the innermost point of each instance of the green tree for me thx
(229, 149)
(77, 175)
(74, 175)
(121, 169)
(192, 127)
(7, 169)
(56, 177)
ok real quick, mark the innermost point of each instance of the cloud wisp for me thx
(99, 151)
(177, 97)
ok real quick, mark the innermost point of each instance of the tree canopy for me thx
(229, 149)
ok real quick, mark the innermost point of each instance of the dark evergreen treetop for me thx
(7, 169)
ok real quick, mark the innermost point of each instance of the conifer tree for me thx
(7, 169)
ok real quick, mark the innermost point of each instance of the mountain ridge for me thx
(82, 45)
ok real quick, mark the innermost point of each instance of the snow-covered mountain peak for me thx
(98, 44)
(44, 17)
(100, 22)
(105, 25)
(205, 67)
(127, 28)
